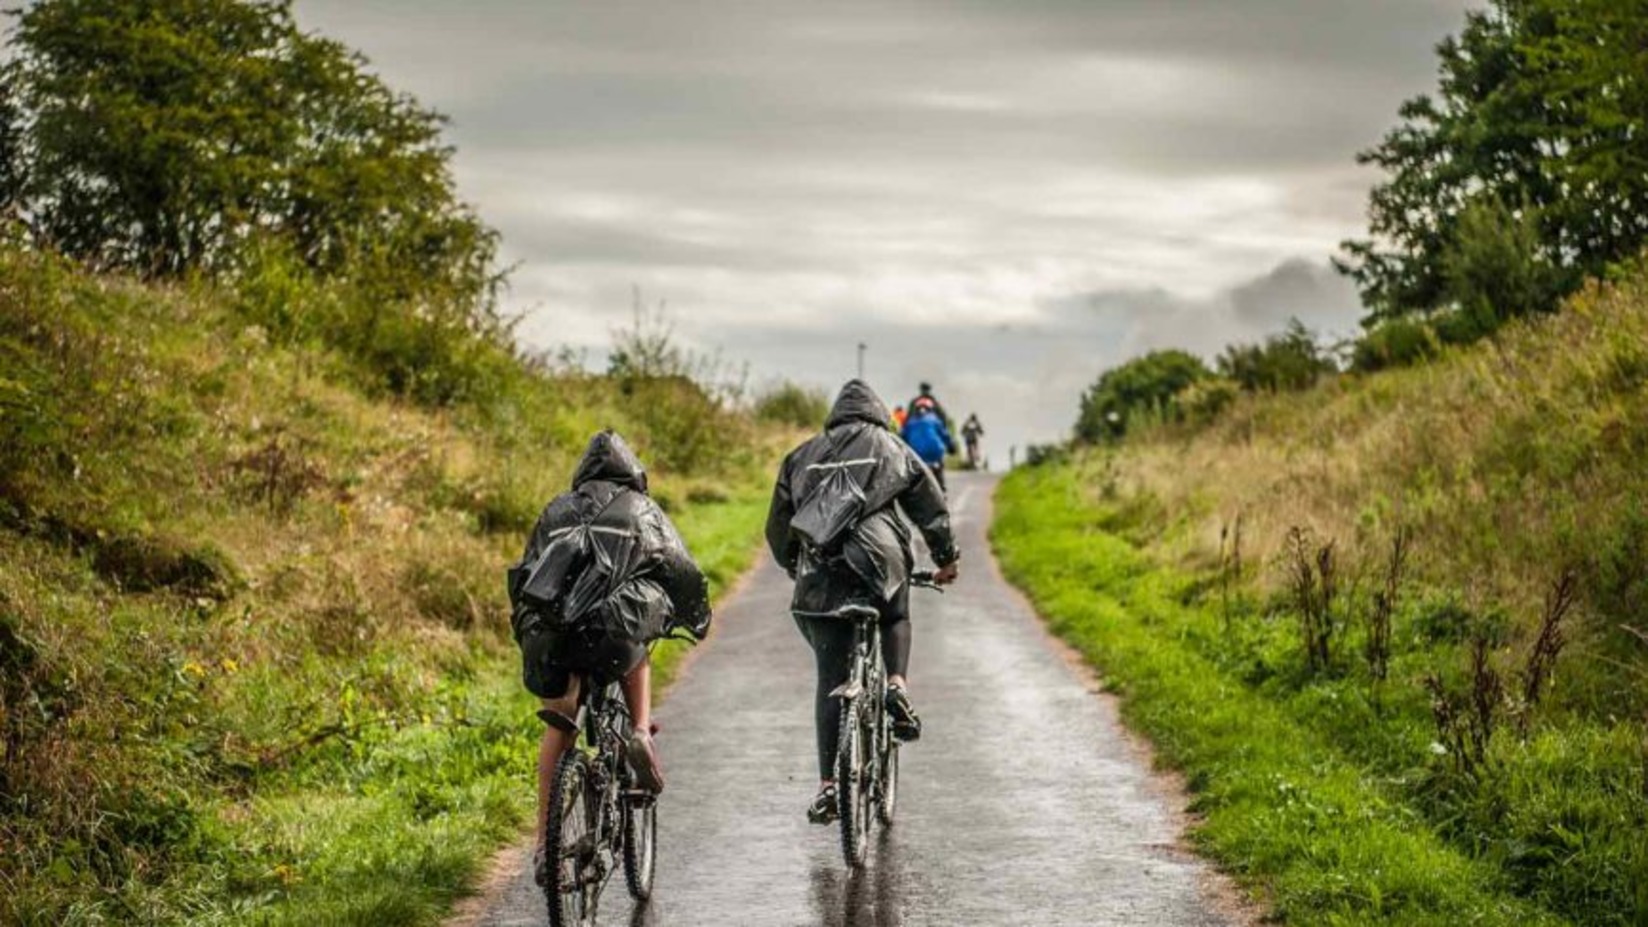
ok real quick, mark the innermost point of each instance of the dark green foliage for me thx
(1542, 103)
(1289, 361)
(161, 136)
(1142, 386)
(793, 404)
(1496, 270)
(11, 142)
(215, 137)
(1395, 343)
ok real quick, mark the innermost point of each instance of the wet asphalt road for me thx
(1022, 803)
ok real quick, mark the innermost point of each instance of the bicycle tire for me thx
(569, 901)
(887, 790)
(852, 792)
(640, 847)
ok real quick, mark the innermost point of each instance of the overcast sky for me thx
(1003, 198)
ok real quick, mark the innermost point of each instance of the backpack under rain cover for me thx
(834, 506)
(591, 576)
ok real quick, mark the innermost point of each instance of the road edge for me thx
(1217, 886)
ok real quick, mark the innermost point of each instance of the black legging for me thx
(832, 643)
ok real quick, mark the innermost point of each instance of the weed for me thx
(1230, 563)
(1377, 649)
(1465, 720)
(278, 473)
(1547, 646)
(1313, 579)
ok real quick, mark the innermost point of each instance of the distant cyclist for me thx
(834, 526)
(604, 574)
(927, 395)
(927, 435)
(971, 431)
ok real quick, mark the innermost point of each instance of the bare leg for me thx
(637, 686)
(550, 747)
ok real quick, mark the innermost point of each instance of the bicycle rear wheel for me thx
(852, 785)
(640, 845)
(887, 790)
(570, 844)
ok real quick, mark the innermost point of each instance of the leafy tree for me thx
(11, 163)
(1495, 270)
(163, 135)
(1291, 360)
(1142, 386)
(1542, 103)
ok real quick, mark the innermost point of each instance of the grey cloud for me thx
(1004, 198)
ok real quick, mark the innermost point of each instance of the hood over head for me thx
(858, 403)
(610, 459)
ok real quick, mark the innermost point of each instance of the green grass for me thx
(1324, 837)
(1506, 464)
(254, 654)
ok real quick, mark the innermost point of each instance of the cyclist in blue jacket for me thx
(926, 434)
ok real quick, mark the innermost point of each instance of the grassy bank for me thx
(254, 655)
(1433, 737)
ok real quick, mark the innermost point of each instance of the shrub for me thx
(1396, 343)
(1142, 386)
(1496, 270)
(1286, 362)
(793, 404)
(1204, 400)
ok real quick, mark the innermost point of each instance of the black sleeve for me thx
(780, 539)
(681, 578)
(923, 503)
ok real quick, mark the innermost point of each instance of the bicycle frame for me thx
(603, 723)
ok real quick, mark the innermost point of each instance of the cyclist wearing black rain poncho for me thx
(834, 527)
(604, 573)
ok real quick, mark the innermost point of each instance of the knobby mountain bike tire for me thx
(887, 788)
(852, 788)
(640, 846)
(569, 842)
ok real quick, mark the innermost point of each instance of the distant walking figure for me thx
(971, 431)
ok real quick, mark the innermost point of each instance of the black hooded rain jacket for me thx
(604, 557)
(833, 524)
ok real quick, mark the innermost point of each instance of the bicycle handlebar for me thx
(924, 579)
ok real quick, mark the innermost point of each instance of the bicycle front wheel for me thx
(853, 786)
(572, 886)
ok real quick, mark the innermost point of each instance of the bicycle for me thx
(866, 780)
(597, 815)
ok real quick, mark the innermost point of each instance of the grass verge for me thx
(1324, 838)
(255, 664)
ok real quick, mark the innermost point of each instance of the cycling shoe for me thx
(825, 807)
(643, 760)
(906, 723)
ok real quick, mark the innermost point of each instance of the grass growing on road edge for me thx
(254, 654)
(1324, 839)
